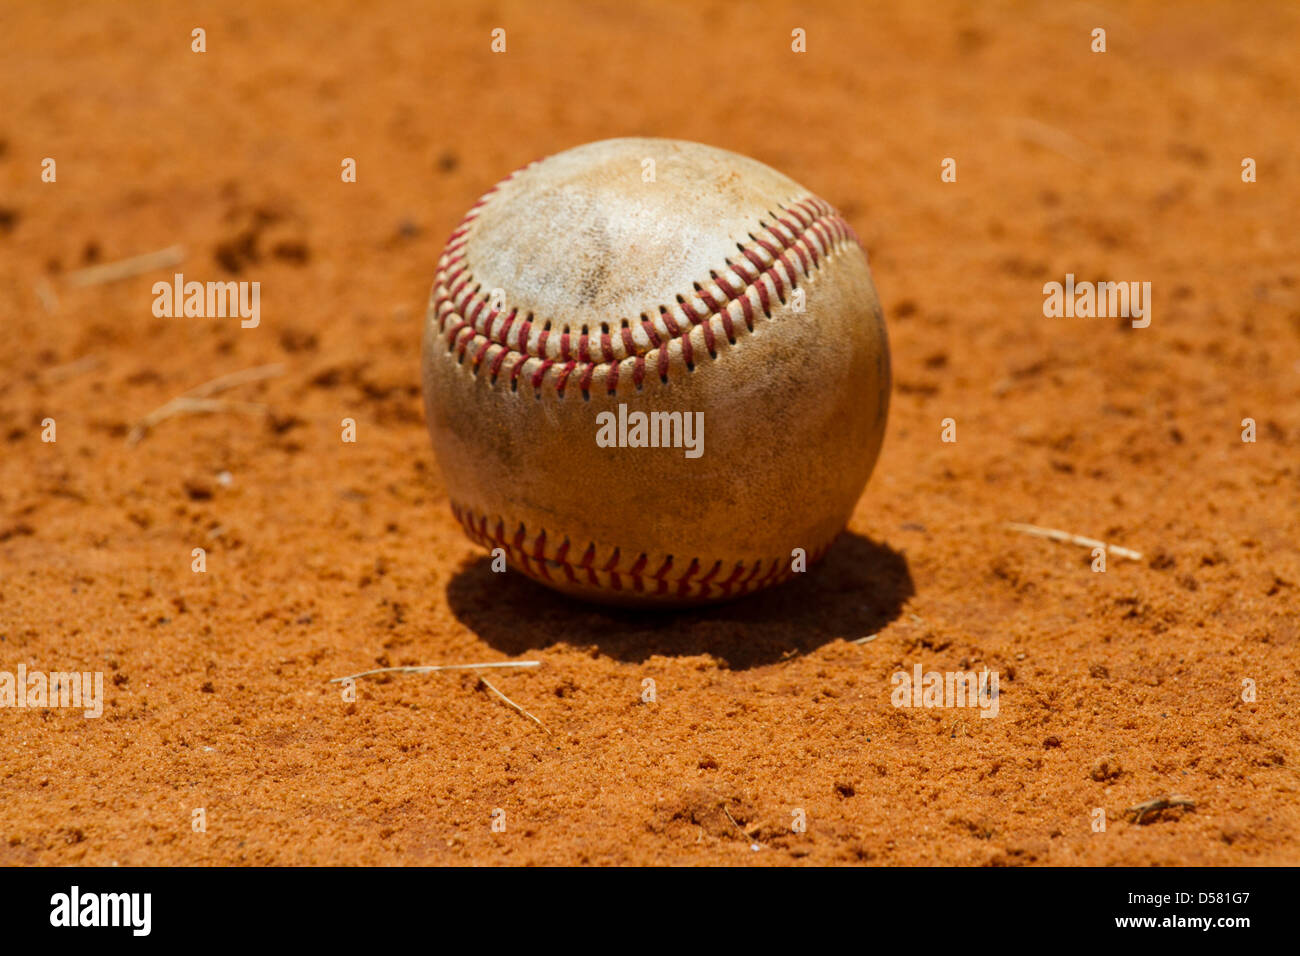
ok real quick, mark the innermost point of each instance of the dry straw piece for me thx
(440, 668)
(435, 668)
(1054, 534)
(1160, 803)
(126, 268)
(198, 400)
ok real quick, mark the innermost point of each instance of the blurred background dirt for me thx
(327, 558)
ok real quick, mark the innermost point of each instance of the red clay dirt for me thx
(326, 558)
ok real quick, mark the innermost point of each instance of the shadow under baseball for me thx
(858, 588)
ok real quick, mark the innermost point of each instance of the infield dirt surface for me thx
(326, 558)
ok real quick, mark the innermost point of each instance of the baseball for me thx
(655, 372)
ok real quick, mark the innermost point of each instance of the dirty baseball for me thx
(655, 372)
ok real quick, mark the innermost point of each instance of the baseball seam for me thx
(808, 230)
(700, 581)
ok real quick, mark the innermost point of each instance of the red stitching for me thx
(806, 230)
(674, 329)
(754, 258)
(529, 555)
(762, 295)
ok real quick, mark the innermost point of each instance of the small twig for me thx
(198, 399)
(439, 668)
(45, 292)
(183, 405)
(125, 268)
(1158, 804)
(865, 640)
(60, 373)
(1068, 538)
(511, 704)
(753, 843)
(242, 377)
(1051, 137)
(436, 668)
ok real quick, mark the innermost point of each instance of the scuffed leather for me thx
(794, 410)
